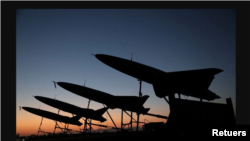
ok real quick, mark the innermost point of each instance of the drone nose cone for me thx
(38, 97)
(59, 83)
(67, 86)
(107, 59)
(42, 99)
(99, 56)
(62, 84)
(103, 57)
(26, 108)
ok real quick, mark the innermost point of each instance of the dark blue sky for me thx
(56, 45)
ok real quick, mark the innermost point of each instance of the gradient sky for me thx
(56, 45)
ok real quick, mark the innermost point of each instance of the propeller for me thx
(132, 57)
(54, 83)
(55, 97)
(20, 108)
(84, 83)
(92, 54)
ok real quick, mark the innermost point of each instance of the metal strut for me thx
(122, 121)
(86, 120)
(124, 125)
(111, 118)
(138, 115)
(166, 99)
(40, 130)
(56, 122)
(140, 94)
(131, 120)
(68, 130)
(58, 126)
(131, 123)
(90, 126)
(64, 129)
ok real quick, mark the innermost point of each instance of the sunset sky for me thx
(56, 45)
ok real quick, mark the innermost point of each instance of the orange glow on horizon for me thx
(28, 123)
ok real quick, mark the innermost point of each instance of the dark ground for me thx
(119, 136)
